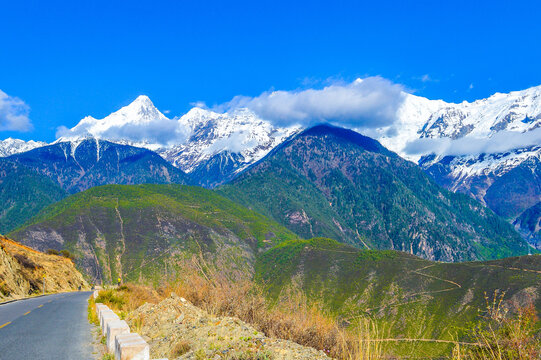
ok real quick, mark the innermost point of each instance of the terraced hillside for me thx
(411, 298)
(144, 232)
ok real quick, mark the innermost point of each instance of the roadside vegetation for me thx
(495, 334)
(500, 335)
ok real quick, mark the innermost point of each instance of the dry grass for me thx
(128, 297)
(180, 348)
(92, 314)
(291, 319)
(500, 336)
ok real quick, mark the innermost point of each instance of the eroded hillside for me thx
(24, 271)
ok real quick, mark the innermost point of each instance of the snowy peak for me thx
(211, 133)
(12, 146)
(138, 124)
(420, 119)
(140, 111)
(516, 111)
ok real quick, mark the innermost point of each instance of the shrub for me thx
(128, 297)
(67, 254)
(111, 298)
(499, 335)
(53, 252)
(26, 262)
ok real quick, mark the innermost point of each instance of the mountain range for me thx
(214, 147)
(31, 180)
(381, 227)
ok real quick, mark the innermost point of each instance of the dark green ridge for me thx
(23, 193)
(336, 183)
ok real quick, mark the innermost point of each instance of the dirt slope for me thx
(176, 329)
(23, 272)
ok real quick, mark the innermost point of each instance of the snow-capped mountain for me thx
(211, 133)
(420, 118)
(219, 145)
(230, 140)
(489, 148)
(12, 146)
(138, 124)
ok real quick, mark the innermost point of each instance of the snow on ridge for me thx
(239, 131)
(199, 134)
(496, 164)
(421, 118)
(11, 146)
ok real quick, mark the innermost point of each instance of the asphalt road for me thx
(48, 327)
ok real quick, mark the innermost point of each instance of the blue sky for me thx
(69, 59)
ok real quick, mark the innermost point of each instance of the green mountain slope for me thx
(23, 193)
(31, 180)
(336, 183)
(145, 231)
(408, 296)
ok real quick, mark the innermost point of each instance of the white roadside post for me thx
(100, 308)
(107, 316)
(131, 347)
(115, 328)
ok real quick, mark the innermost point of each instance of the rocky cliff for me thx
(24, 272)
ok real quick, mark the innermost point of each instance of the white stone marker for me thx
(106, 317)
(115, 328)
(100, 308)
(102, 313)
(131, 347)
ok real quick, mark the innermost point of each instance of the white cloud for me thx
(160, 132)
(500, 142)
(367, 103)
(13, 114)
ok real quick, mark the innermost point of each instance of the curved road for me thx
(48, 327)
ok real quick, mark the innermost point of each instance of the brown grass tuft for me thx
(180, 348)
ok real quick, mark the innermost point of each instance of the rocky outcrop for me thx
(177, 329)
(24, 271)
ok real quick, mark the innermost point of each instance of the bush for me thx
(112, 299)
(53, 252)
(127, 297)
(26, 262)
(180, 348)
(67, 254)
